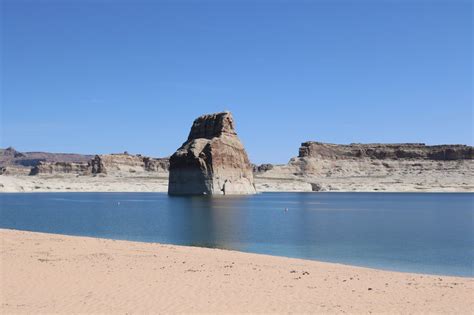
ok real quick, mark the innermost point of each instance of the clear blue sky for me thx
(108, 76)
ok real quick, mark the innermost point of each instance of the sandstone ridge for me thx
(386, 151)
(113, 164)
(372, 167)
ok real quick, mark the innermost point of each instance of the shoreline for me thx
(129, 183)
(44, 272)
(244, 252)
(229, 195)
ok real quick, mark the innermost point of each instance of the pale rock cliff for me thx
(373, 167)
(59, 168)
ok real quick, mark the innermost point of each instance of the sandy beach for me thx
(48, 273)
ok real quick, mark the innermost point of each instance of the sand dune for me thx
(46, 273)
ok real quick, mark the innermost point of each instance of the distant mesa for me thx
(313, 157)
(98, 165)
(212, 161)
(382, 151)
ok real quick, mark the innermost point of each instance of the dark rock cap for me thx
(212, 125)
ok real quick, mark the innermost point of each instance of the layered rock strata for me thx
(386, 151)
(59, 168)
(212, 161)
(156, 165)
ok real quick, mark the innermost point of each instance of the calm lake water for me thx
(414, 232)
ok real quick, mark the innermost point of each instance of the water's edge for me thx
(423, 233)
(243, 252)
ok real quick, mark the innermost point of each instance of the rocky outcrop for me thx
(118, 164)
(10, 152)
(96, 165)
(321, 158)
(59, 168)
(156, 165)
(385, 151)
(11, 158)
(128, 163)
(212, 160)
(262, 168)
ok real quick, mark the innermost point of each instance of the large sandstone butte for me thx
(212, 161)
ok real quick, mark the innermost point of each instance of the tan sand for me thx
(47, 273)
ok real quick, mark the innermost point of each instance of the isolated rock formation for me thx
(97, 165)
(212, 160)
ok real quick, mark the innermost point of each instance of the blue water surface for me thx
(413, 232)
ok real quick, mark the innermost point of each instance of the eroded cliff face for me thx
(212, 160)
(60, 168)
(111, 164)
(374, 167)
(312, 149)
(126, 163)
(156, 165)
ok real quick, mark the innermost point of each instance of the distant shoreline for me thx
(230, 196)
(123, 182)
(318, 167)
